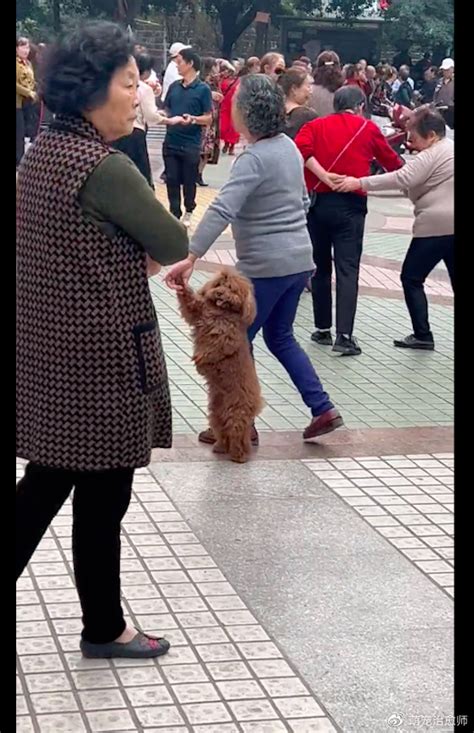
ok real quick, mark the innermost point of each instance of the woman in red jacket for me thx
(229, 84)
(337, 144)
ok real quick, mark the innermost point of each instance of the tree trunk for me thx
(134, 10)
(128, 10)
(260, 34)
(56, 16)
(232, 27)
(261, 29)
(229, 36)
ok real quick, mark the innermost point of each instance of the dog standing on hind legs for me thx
(220, 313)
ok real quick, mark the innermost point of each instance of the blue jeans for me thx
(277, 302)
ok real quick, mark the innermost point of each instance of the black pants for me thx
(422, 257)
(181, 169)
(99, 503)
(448, 115)
(336, 222)
(135, 147)
(31, 112)
(20, 136)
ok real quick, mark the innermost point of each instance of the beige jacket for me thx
(147, 112)
(428, 181)
(321, 100)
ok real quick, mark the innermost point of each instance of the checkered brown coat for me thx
(92, 387)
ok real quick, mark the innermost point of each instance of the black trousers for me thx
(336, 222)
(422, 257)
(100, 501)
(31, 112)
(135, 147)
(448, 115)
(181, 169)
(20, 136)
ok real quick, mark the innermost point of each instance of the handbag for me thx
(313, 195)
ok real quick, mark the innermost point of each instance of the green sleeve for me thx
(117, 196)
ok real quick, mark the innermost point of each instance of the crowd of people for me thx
(323, 101)
(92, 388)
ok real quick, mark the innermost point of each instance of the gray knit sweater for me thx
(265, 201)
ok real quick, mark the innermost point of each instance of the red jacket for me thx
(325, 137)
(356, 83)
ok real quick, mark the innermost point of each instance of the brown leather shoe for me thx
(207, 436)
(322, 424)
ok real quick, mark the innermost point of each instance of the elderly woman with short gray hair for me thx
(265, 202)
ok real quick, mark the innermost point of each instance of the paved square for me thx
(222, 667)
(384, 387)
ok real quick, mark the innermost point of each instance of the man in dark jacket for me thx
(428, 87)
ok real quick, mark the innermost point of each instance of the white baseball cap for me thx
(175, 49)
(447, 64)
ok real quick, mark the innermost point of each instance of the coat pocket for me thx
(151, 360)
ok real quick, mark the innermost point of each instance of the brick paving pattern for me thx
(223, 673)
(409, 500)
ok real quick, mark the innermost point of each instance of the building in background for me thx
(323, 31)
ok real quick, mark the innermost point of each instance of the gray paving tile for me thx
(253, 710)
(163, 715)
(195, 692)
(203, 713)
(104, 699)
(139, 676)
(62, 723)
(240, 690)
(116, 720)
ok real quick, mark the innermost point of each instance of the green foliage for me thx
(349, 10)
(425, 23)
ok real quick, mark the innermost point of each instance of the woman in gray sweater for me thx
(428, 180)
(265, 201)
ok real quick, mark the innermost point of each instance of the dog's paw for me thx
(239, 457)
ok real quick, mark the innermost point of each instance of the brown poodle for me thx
(220, 313)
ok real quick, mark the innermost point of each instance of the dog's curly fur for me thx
(220, 313)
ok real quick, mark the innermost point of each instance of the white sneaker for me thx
(187, 219)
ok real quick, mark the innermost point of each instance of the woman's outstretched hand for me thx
(348, 184)
(178, 276)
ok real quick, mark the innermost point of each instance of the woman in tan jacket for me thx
(25, 93)
(328, 79)
(428, 180)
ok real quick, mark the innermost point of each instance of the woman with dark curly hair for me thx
(92, 389)
(327, 79)
(265, 201)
